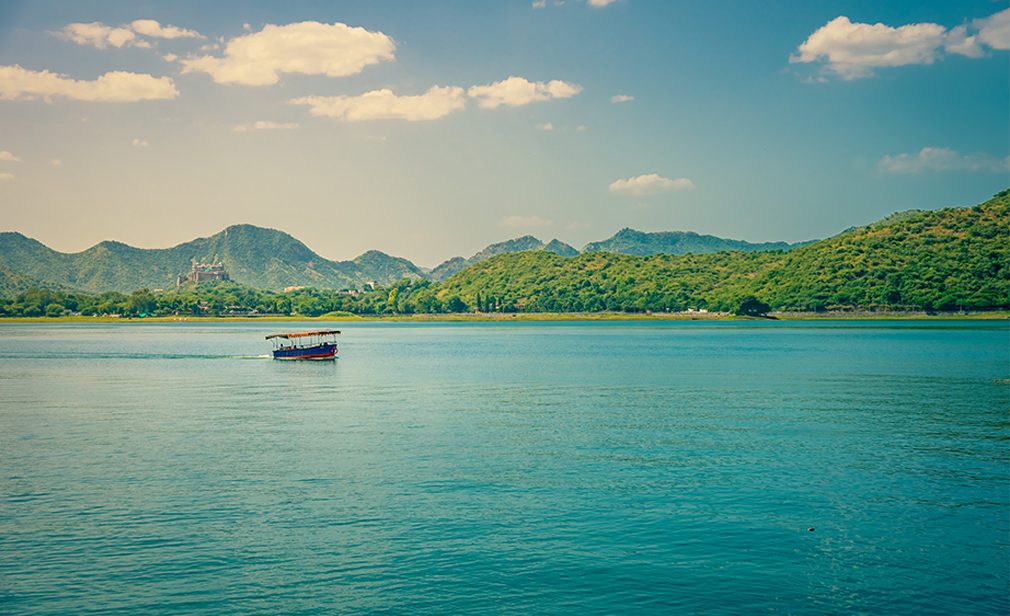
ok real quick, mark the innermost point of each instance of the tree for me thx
(140, 302)
(751, 306)
(455, 304)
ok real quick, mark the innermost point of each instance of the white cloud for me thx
(621, 98)
(100, 35)
(138, 143)
(853, 50)
(169, 57)
(308, 48)
(153, 29)
(539, 4)
(600, 3)
(649, 184)
(545, 126)
(526, 221)
(959, 42)
(7, 177)
(581, 128)
(994, 30)
(516, 91)
(57, 163)
(18, 83)
(264, 125)
(436, 103)
(941, 159)
(8, 157)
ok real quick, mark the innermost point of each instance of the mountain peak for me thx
(643, 243)
(109, 247)
(246, 228)
(369, 254)
(560, 248)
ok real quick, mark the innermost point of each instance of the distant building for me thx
(202, 272)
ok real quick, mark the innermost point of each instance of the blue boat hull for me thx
(323, 351)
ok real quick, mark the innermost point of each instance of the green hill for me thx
(935, 260)
(448, 268)
(947, 259)
(631, 242)
(254, 256)
(269, 259)
(625, 241)
(560, 248)
(12, 283)
(519, 244)
(383, 268)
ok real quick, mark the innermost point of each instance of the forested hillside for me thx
(258, 257)
(643, 244)
(519, 244)
(951, 259)
(946, 259)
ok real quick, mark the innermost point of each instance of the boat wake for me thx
(145, 356)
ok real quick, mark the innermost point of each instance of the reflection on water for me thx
(448, 468)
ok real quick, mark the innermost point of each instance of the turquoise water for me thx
(518, 468)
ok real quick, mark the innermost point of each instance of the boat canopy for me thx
(324, 332)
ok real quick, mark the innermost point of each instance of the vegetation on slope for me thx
(946, 259)
(539, 281)
(957, 258)
(254, 256)
(632, 242)
(519, 244)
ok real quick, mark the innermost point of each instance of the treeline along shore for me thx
(955, 260)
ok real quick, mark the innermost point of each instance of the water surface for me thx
(508, 468)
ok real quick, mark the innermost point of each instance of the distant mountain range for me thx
(626, 241)
(271, 259)
(259, 257)
(520, 244)
(949, 259)
(631, 242)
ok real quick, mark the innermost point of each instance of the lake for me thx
(597, 467)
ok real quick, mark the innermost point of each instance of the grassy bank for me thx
(532, 316)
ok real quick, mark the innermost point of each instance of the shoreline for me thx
(536, 316)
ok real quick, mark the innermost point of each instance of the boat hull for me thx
(319, 352)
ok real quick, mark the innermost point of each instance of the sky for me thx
(431, 129)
